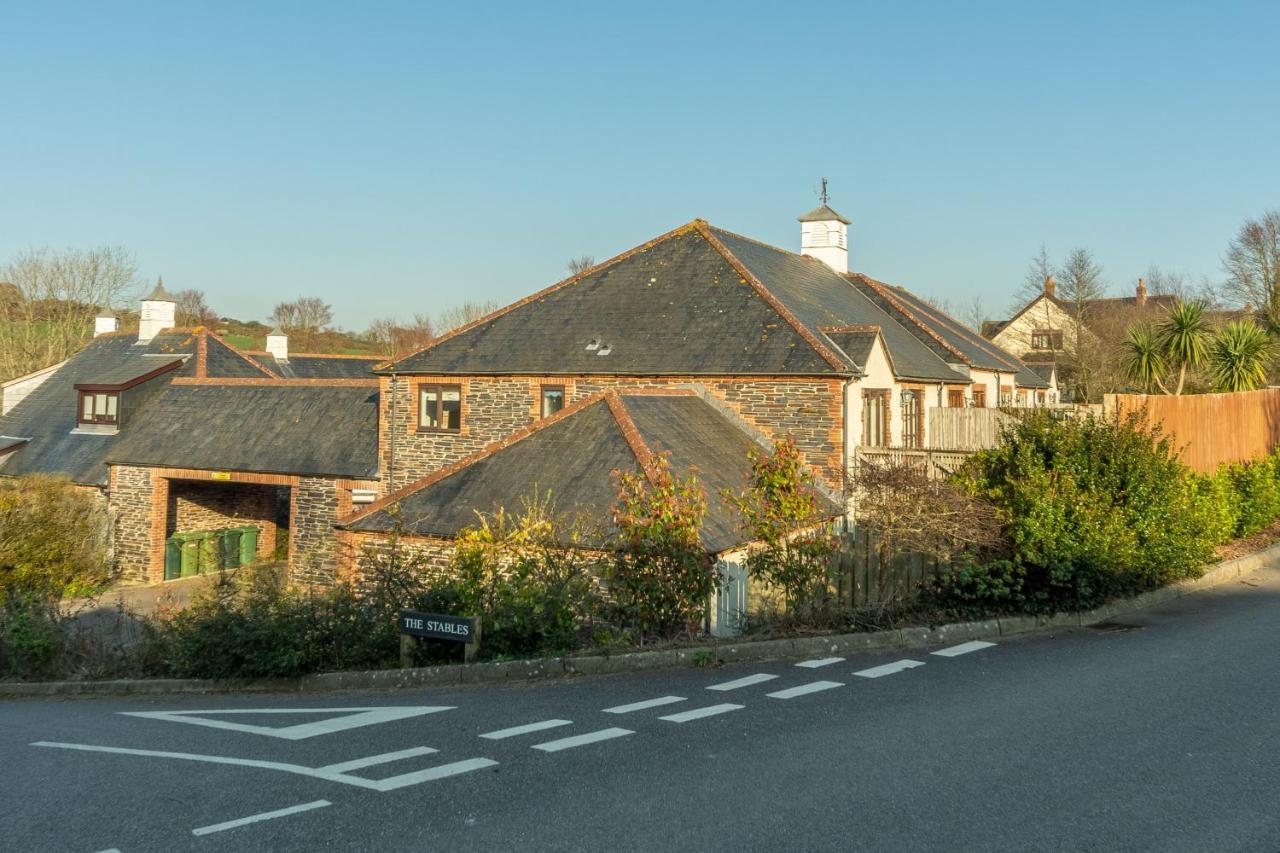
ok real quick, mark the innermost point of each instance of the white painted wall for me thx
(157, 315)
(15, 390)
(828, 242)
(878, 375)
(105, 325)
(1044, 313)
(278, 346)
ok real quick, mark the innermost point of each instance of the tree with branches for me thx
(1252, 264)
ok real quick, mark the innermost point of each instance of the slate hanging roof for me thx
(264, 427)
(696, 301)
(573, 456)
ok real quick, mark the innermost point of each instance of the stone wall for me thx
(357, 549)
(316, 504)
(137, 497)
(809, 410)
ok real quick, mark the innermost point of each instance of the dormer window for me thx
(99, 407)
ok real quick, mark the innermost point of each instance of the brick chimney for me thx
(1140, 295)
(1048, 286)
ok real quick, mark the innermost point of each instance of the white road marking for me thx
(963, 648)
(804, 689)
(244, 821)
(433, 773)
(699, 713)
(814, 664)
(646, 704)
(743, 682)
(582, 740)
(524, 730)
(326, 773)
(889, 668)
(112, 850)
(351, 718)
(371, 760)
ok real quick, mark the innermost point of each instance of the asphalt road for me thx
(1162, 734)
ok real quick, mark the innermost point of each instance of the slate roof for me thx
(312, 430)
(10, 442)
(306, 366)
(855, 344)
(48, 414)
(1043, 369)
(124, 368)
(573, 456)
(822, 213)
(696, 301)
(819, 296)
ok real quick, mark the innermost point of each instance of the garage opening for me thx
(246, 522)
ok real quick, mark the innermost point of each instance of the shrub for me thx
(53, 539)
(1218, 504)
(1094, 508)
(779, 509)
(661, 577)
(1257, 492)
(34, 640)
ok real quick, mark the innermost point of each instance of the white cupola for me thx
(158, 312)
(106, 323)
(278, 344)
(824, 234)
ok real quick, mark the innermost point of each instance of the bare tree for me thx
(1252, 263)
(460, 315)
(581, 264)
(1079, 286)
(304, 318)
(193, 310)
(51, 299)
(396, 339)
(973, 314)
(1038, 269)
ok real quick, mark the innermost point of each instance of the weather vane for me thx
(823, 194)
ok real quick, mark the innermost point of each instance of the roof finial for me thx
(823, 195)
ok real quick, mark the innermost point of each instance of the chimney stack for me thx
(278, 345)
(1049, 286)
(1140, 295)
(105, 323)
(158, 312)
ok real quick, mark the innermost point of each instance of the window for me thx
(875, 417)
(955, 398)
(1022, 399)
(1006, 395)
(440, 408)
(1046, 339)
(552, 400)
(912, 420)
(98, 407)
(1040, 398)
(979, 398)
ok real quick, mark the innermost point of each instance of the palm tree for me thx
(1145, 362)
(1238, 357)
(1184, 336)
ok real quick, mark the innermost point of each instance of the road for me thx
(1162, 734)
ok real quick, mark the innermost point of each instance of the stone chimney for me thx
(158, 312)
(824, 234)
(278, 345)
(1140, 295)
(1049, 286)
(105, 323)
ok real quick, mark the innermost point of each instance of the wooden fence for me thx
(966, 429)
(938, 463)
(1209, 429)
(862, 579)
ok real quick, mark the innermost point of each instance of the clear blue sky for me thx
(391, 158)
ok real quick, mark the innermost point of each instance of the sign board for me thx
(220, 475)
(438, 626)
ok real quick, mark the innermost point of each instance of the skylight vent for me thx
(594, 344)
(605, 349)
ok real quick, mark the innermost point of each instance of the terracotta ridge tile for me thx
(242, 356)
(546, 291)
(856, 327)
(631, 433)
(882, 290)
(486, 451)
(274, 382)
(771, 300)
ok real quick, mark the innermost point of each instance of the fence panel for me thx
(938, 463)
(966, 429)
(863, 580)
(1209, 429)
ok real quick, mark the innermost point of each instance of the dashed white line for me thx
(804, 689)
(431, 774)
(371, 760)
(743, 682)
(582, 740)
(244, 821)
(963, 648)
(514, 731)
(699, 713)
(889, 668)
(645, 705)
(814, 664)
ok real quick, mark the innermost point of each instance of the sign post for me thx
(438, 626)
